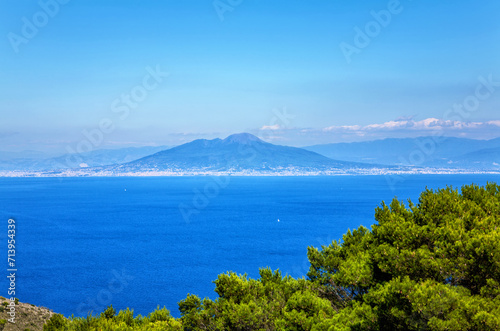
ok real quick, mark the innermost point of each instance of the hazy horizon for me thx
(52, 153)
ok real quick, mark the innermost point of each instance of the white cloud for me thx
(399, 128)
(427, 125)
(388, 125)
(343, 127)
(495, 123)
(271, 127)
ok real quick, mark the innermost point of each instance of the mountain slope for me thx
(100, 157)
(444, 152)
(28, 316)
(105, 156)
(488, 158)
(237, 152)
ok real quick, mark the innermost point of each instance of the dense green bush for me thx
(434, 265)
(160, 319)
(264, 304)
(55, 322)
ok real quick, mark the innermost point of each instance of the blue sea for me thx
(85, 243)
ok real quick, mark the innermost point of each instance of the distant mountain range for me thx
(444, 152)
(245, 154)
(237, 153)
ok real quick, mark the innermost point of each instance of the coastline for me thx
(248, 173)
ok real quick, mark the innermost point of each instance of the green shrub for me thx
(433, 265)
(159, 315)
(126, 316)
(108, 313)
(55, 323)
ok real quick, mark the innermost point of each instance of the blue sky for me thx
(234, 66)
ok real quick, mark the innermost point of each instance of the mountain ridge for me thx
(236, 152)
(448, 152)
(245, 154)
